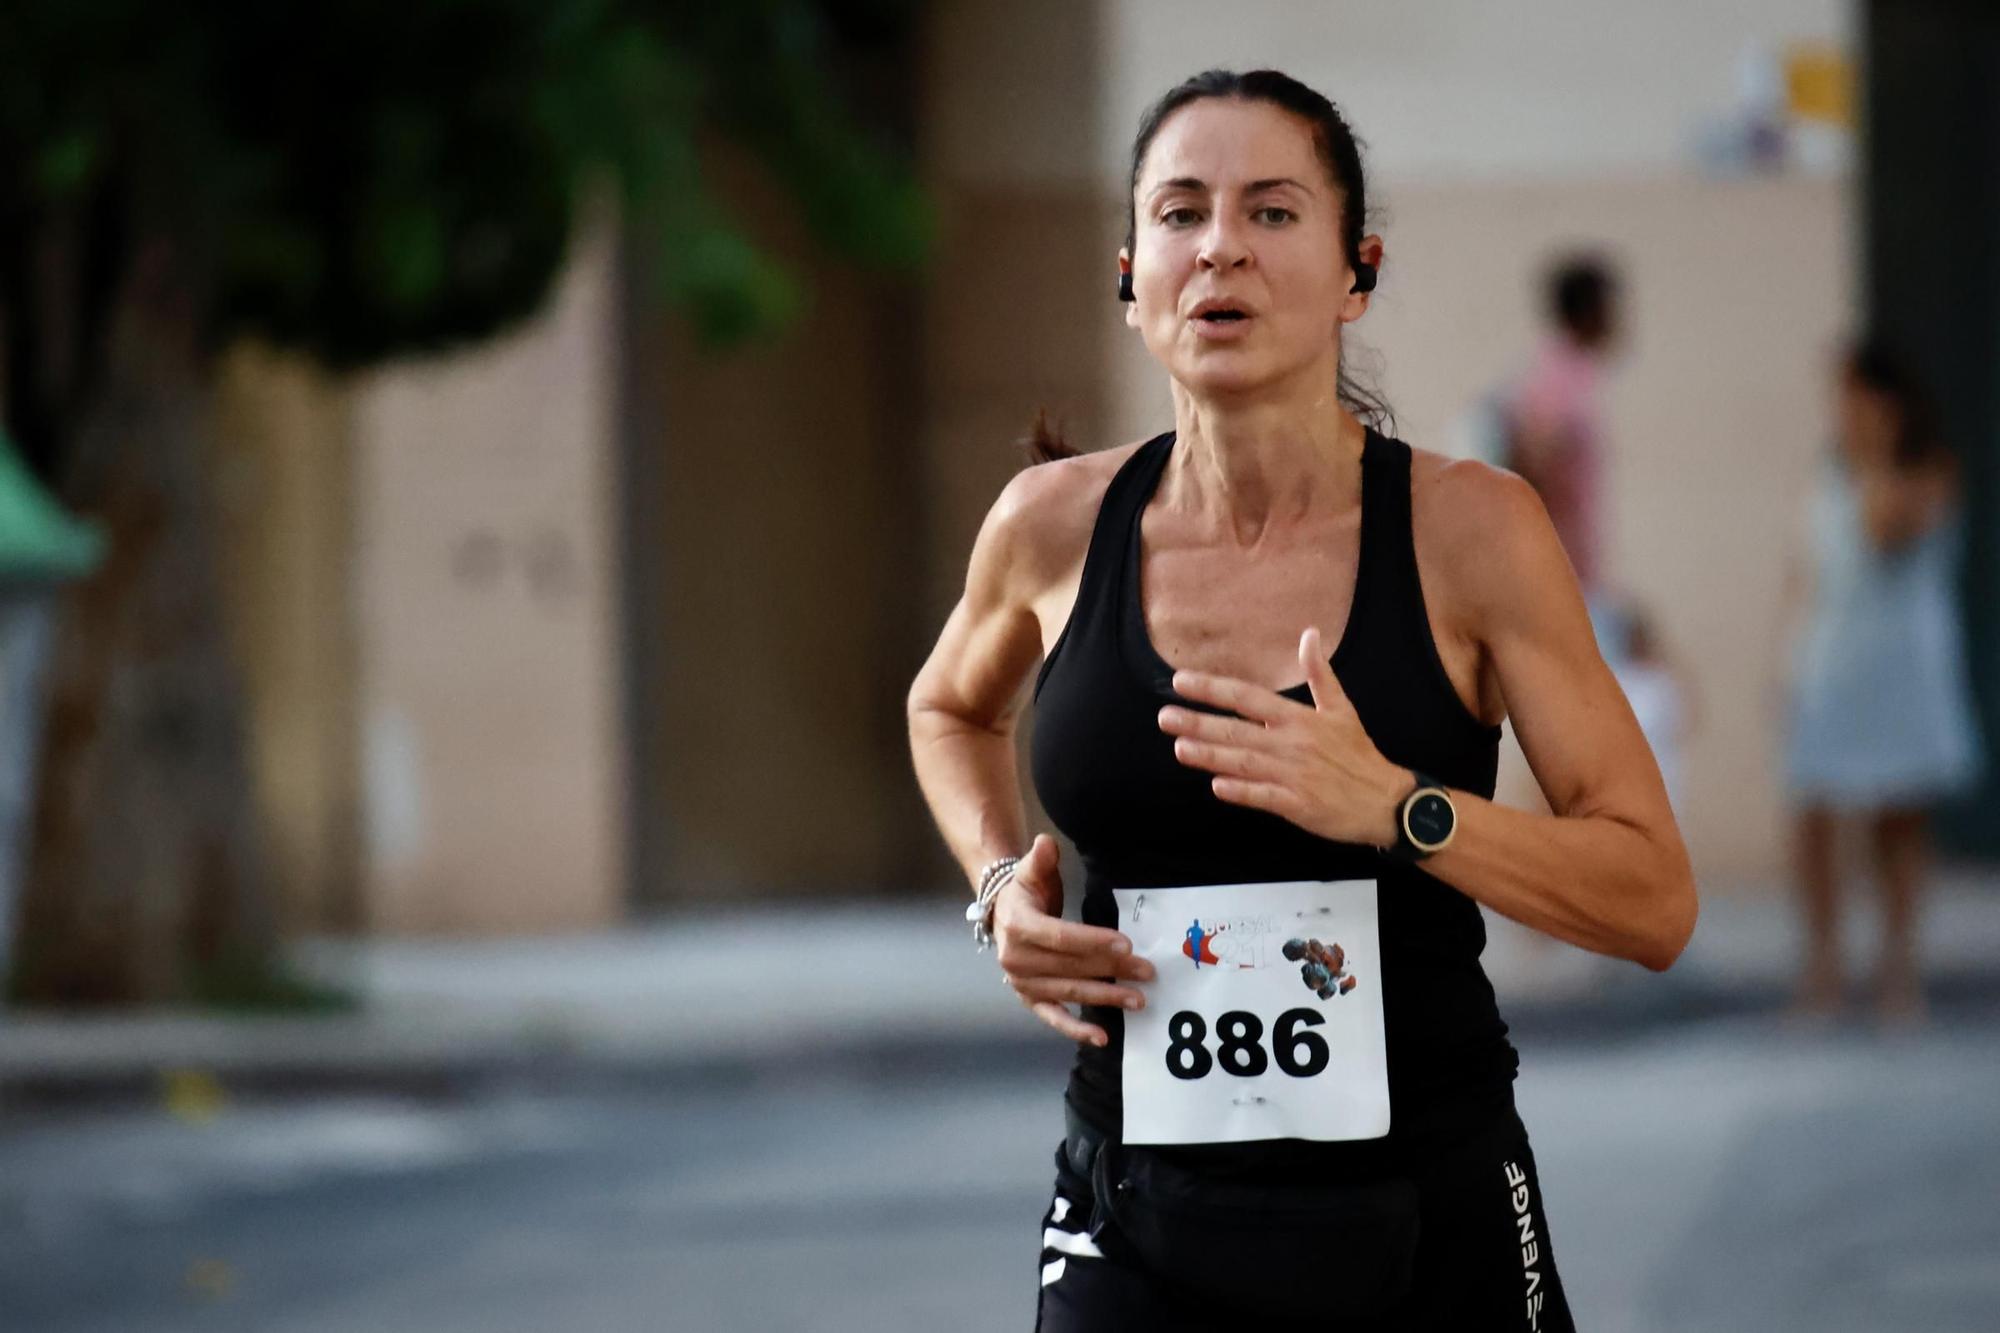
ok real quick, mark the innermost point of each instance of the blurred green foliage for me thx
(253, 982)
(372, 177)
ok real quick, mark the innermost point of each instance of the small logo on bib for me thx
(1323, 967)
(1200, 946)
(1237, 941)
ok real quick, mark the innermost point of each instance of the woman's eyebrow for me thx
(1198, 185)
(1179, 183)
(1258, 187)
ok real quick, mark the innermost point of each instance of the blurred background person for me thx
(1881, 722)
(1546, 423)
(1554, 424)
(1661, 691)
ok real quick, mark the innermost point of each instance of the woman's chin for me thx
(1218, 377)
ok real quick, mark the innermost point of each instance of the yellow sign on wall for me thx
(1819, 84)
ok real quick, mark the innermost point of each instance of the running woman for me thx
(1276, 648)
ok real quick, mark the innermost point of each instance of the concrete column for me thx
(1020, 313)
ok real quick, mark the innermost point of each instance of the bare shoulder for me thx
(1457, 500)
(1485, 532)
(1044, 515)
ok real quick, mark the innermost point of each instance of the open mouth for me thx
(1221, 316)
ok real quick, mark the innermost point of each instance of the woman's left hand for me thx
(1312, 764)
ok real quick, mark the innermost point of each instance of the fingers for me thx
(1068, 1024)
(1239, 696)
(1233, 760)
(1039, 871)
(1320, 680)
(1074, 990)
(1027, 960)
(1043, 854)
(1050, 962)
(1022, 903)
(1059, 936)
(1208, 727)
(1044, 892)
(1271, 796)
(1034, 943)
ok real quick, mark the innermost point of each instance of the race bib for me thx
(1264, 1020)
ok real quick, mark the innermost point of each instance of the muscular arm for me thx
(1607, 870)
(965, 701)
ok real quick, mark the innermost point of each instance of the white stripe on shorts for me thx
(1054, 1270)
(1070, 1242)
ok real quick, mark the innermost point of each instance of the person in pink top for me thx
(1555, 424)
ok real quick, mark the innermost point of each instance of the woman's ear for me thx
(1125, 292)
(1366, 278)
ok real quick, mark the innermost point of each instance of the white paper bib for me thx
(1264, 1020)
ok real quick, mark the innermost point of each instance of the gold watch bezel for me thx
(1410, 834)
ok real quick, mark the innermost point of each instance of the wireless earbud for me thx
(1125, 287)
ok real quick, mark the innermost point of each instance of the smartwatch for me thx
(1425, 822)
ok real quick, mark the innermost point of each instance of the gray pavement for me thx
(710, 991)
(1730, 1174)
(650, 1130)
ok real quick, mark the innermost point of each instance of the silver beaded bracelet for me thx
(993, 877)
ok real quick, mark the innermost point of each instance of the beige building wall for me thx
(488, 629)
(1469, 90)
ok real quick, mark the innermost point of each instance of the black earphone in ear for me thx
(1125, 287)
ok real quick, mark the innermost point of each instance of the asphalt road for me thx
(1732, 1174)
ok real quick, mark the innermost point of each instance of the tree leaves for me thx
(375, 177)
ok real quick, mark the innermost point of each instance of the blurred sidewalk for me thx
(779, 988)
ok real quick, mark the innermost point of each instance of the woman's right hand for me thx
(1050, 962)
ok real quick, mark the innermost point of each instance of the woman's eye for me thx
(1273, 213)
(1180, 217)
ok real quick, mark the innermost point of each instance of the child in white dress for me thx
(1881, 721)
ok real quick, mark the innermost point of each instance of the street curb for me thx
(309, 1057)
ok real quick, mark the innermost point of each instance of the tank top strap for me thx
(1093, 617)
(1389, 595)
(1117, 519)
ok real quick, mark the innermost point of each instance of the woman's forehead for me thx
(1229, 141)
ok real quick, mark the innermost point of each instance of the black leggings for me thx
(1482, 1261)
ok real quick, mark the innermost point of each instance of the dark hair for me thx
(1339, 152)
(1580, 291)
(1876, 366)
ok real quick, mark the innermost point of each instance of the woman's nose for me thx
(1222, 247)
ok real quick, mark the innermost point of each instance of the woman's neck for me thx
(1243, 465)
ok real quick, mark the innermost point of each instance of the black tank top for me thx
(1139, 818)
